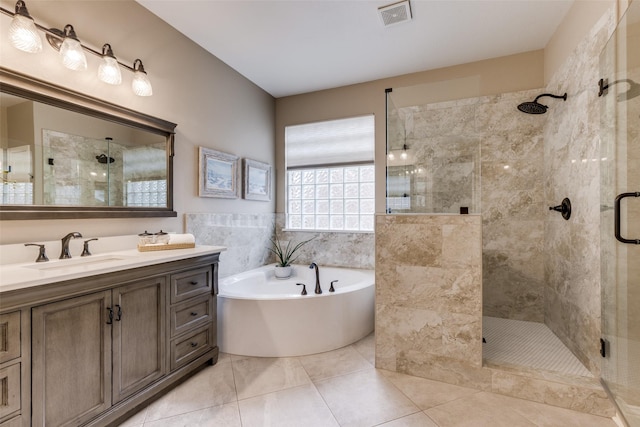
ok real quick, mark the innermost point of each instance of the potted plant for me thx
(285, 255)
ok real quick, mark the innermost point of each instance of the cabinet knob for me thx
(194, 344)
(194, 313)
(193, 282)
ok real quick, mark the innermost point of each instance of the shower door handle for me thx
(616, 211)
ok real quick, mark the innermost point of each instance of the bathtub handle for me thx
(304, 288)
(331, 288)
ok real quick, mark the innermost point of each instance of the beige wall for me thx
(506, 74)
(213, 105)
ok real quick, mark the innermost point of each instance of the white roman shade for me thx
(334, 142)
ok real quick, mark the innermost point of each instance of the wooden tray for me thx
(149, 248)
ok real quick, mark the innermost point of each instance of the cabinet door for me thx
(138, 336)
(71, 368)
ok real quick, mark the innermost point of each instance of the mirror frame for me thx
(18, 84)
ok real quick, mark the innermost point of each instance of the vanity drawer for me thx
(9, 336)
(187, 348)
(191, 314)
(9, 391)
(190, 283)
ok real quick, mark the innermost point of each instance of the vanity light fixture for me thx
(23, 32)
(109, 70)
(141, 85)
(24, 36)
(71, 50)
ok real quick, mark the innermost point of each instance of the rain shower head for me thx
(535, 107)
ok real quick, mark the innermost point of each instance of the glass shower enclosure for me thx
(619, 91)
(433, 151)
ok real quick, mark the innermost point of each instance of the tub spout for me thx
(318, 288)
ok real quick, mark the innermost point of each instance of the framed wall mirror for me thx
(68, 155)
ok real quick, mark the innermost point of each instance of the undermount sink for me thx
(77, 262)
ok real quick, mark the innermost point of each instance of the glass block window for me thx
(152, 193)
(330, 175)
(17, 193)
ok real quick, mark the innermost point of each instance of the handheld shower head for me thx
(534, 107)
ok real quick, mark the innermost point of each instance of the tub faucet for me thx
(65, 244)
(318, 288)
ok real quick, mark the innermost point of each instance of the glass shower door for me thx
(620, 214)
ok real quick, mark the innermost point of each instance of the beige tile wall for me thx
(428, 291)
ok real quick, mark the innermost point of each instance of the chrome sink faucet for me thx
(65, 244)
(318, 288)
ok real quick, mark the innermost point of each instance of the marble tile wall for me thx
(246, 237)
(428, 293)
(337, 249)
(572, 169)
(429, 320)
(491, 159)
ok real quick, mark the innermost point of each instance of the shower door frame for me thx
(620, 215)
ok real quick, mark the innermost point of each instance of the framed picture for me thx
(257, 180)
(218, 174)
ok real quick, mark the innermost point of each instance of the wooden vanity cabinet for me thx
(106, 345)
(71, 361)
(10, 369)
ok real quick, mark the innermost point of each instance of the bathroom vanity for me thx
(88, 341)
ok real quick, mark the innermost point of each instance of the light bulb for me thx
(141, 85)
(24, 34)
(391, 156)
(109, 70)
(71, 51)
(403, 155)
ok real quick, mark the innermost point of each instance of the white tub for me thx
(259, 315)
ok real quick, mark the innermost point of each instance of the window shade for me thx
(330, 142)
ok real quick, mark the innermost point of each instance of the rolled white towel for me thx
(178, 239)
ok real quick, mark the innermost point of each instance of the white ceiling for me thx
(288, 47)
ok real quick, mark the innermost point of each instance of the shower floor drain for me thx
(528, 344)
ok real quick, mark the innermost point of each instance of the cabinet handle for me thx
(119, 313)
(110, 321)
(194, 344)
(194, 313)
(193, 282)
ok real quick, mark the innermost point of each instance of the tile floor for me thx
(338, 388)
(530, 344)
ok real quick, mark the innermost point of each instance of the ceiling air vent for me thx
(395, 13)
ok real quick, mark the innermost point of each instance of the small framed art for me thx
(218, 174)
(257, 180)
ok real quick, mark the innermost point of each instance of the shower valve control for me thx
(564, 208)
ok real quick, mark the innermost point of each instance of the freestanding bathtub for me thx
(259, 315)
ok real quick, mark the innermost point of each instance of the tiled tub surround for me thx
(336, 249)
(247, 238)
(429, 318)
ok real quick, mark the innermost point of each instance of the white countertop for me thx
(27, 274)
